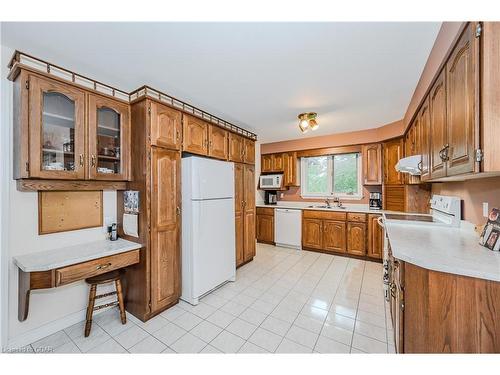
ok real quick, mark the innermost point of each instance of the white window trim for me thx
(303, 180)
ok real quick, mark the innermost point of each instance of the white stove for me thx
(445, 211)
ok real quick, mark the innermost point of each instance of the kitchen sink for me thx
(329, 208)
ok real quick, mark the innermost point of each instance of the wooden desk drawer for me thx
(265, 211)
(95, 267)
(360, 218)
(316, 214)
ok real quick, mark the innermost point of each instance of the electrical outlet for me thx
(485, 209)
(282, 195)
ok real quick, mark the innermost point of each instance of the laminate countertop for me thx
(443, 249)
(65, 256)
(360, 208)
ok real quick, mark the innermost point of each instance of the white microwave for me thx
(271, 181)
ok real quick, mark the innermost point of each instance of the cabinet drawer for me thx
(360, 218)
(95, 267)
(265, 211)
(336, 216)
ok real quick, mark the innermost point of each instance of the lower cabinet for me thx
(440, 312)
(334, 236)
(244, 196)
(336, 232)
(375, 237)
(265, 225)
(356, 239)
(312, 233)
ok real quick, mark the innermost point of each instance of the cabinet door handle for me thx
(178, 210)
(177, 135)
(93, 161)
(103, 266)
(81, 160)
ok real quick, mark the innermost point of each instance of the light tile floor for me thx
(285, 301)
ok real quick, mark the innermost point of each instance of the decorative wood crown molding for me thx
(21, 60)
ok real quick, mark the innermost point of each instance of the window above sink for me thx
(336, 175)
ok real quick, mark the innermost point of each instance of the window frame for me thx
(330, 174)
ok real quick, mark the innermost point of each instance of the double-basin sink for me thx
(327, 207)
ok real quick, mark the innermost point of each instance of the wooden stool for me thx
(113, 276)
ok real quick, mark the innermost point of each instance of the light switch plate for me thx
(485, 209)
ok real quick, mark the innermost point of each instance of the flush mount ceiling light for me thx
(308, 121)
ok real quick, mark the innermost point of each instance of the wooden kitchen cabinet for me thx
(266, 164)
(63, 132)
(393, 152)
(272, 163)
(265, 225)
(236, 148)
(412, 147)
(278, 163)
(356, 238)
(248, 151)
(165, 227)
(239, 221)
(217, 142)
(372, 164)
(375, 237)
(56, 131)
(291, 173)
(244, 179)
(249, 212)
(438, 312)
(195, 135)
(166, 126)
(312, 233)
(334, 236)
(460, 111)
(425, 128)
(407, 198)
(153, 284)
(438, 133)
(109, 139)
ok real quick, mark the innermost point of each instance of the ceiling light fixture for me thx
(308, 121)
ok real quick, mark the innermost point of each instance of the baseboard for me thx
(49, 328)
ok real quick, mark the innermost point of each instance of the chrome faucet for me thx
(337, 202)
(327, 201)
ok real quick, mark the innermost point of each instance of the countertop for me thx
(444, 249)
(361, 208)
(65, 256)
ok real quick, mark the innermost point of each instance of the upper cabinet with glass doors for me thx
(108, 139)
(57, 130)
(66, 133)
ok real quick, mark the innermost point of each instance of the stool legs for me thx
(90, 309)
(119, 294)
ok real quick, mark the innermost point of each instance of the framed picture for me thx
(131, 201)
(490, 237)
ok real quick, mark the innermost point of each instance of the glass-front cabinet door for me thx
(109, 132)
(57, 130)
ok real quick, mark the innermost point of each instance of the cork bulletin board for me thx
(62, 211)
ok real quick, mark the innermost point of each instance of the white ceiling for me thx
(257, 75)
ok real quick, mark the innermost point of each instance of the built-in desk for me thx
(53, 268)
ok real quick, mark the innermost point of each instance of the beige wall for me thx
(473, 194)
(381, 133)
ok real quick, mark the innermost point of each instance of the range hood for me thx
(411, 165)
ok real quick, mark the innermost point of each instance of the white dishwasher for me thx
(288, 228)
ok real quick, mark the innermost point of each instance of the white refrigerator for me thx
(208, 228)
